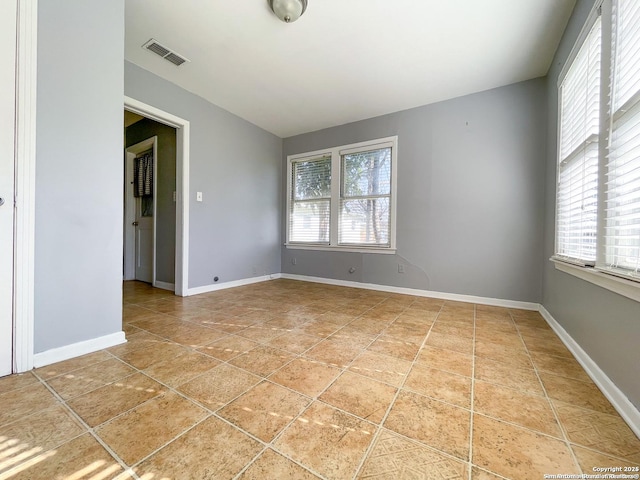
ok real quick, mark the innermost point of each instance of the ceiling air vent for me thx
(169, 55)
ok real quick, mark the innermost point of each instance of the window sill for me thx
(327, 248)
(626, 288)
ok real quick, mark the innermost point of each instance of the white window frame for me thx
(336, 182)
(588, 140)
(627, 287)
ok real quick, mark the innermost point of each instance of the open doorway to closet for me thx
(150, 211)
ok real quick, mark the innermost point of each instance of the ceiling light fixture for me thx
(288, 10)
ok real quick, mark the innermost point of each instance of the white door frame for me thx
(130, 208)
(182, 185)
(8, 35)
(25, 173)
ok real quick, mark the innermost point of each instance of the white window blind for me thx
(622, 209)
(309, 219)
(577, 193)
(365, 196)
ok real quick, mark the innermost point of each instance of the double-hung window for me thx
(598, 190)
(343, 198)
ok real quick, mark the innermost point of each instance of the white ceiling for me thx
(343, 60)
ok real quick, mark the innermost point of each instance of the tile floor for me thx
(294, 380)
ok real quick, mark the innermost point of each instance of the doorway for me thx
(177, 196)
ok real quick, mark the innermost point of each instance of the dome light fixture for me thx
(288, 10)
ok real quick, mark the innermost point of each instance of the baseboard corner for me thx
(234, 283)
(73, 350)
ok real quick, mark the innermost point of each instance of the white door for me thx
(139, 227)
(8, 22)
(144, 239)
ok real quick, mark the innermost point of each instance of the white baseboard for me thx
(234, 283)
(618, 399)
(165, 286)
(76, 349)
(496, 302)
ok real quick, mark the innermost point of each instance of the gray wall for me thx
(470, 196)
(606, 325)
(166, 185)
(234, 233)
(78, 245)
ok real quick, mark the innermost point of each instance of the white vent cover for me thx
(169, 55)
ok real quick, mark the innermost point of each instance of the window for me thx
(311, 200)
(343, 198)
(622, 209)
(598, 224)
(576, 214)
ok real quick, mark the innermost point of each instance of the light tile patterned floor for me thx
(294, 380)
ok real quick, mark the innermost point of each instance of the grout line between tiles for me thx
(121, 414)
(169, 442)
(490, 472)
(563, 432)
(395, 398)
(251, 462)
(316, 398)
(472, 399)
(217, 415)
(90, 430)
(99, 386)
(209, 411)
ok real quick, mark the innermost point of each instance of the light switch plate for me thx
(199, 196)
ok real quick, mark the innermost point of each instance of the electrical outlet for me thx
(174, 196)
(400, 268)
(294, 261)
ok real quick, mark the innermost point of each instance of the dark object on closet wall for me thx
(143, 175)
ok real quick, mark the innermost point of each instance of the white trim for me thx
(232, 284)
(154, 232)
(165, 285)
(182, 214)
(621, 286)
(24, 248)
(341, 248)
(618, 399)
(76, 349)
(496, 302)
(182, 127)
(389, 142)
